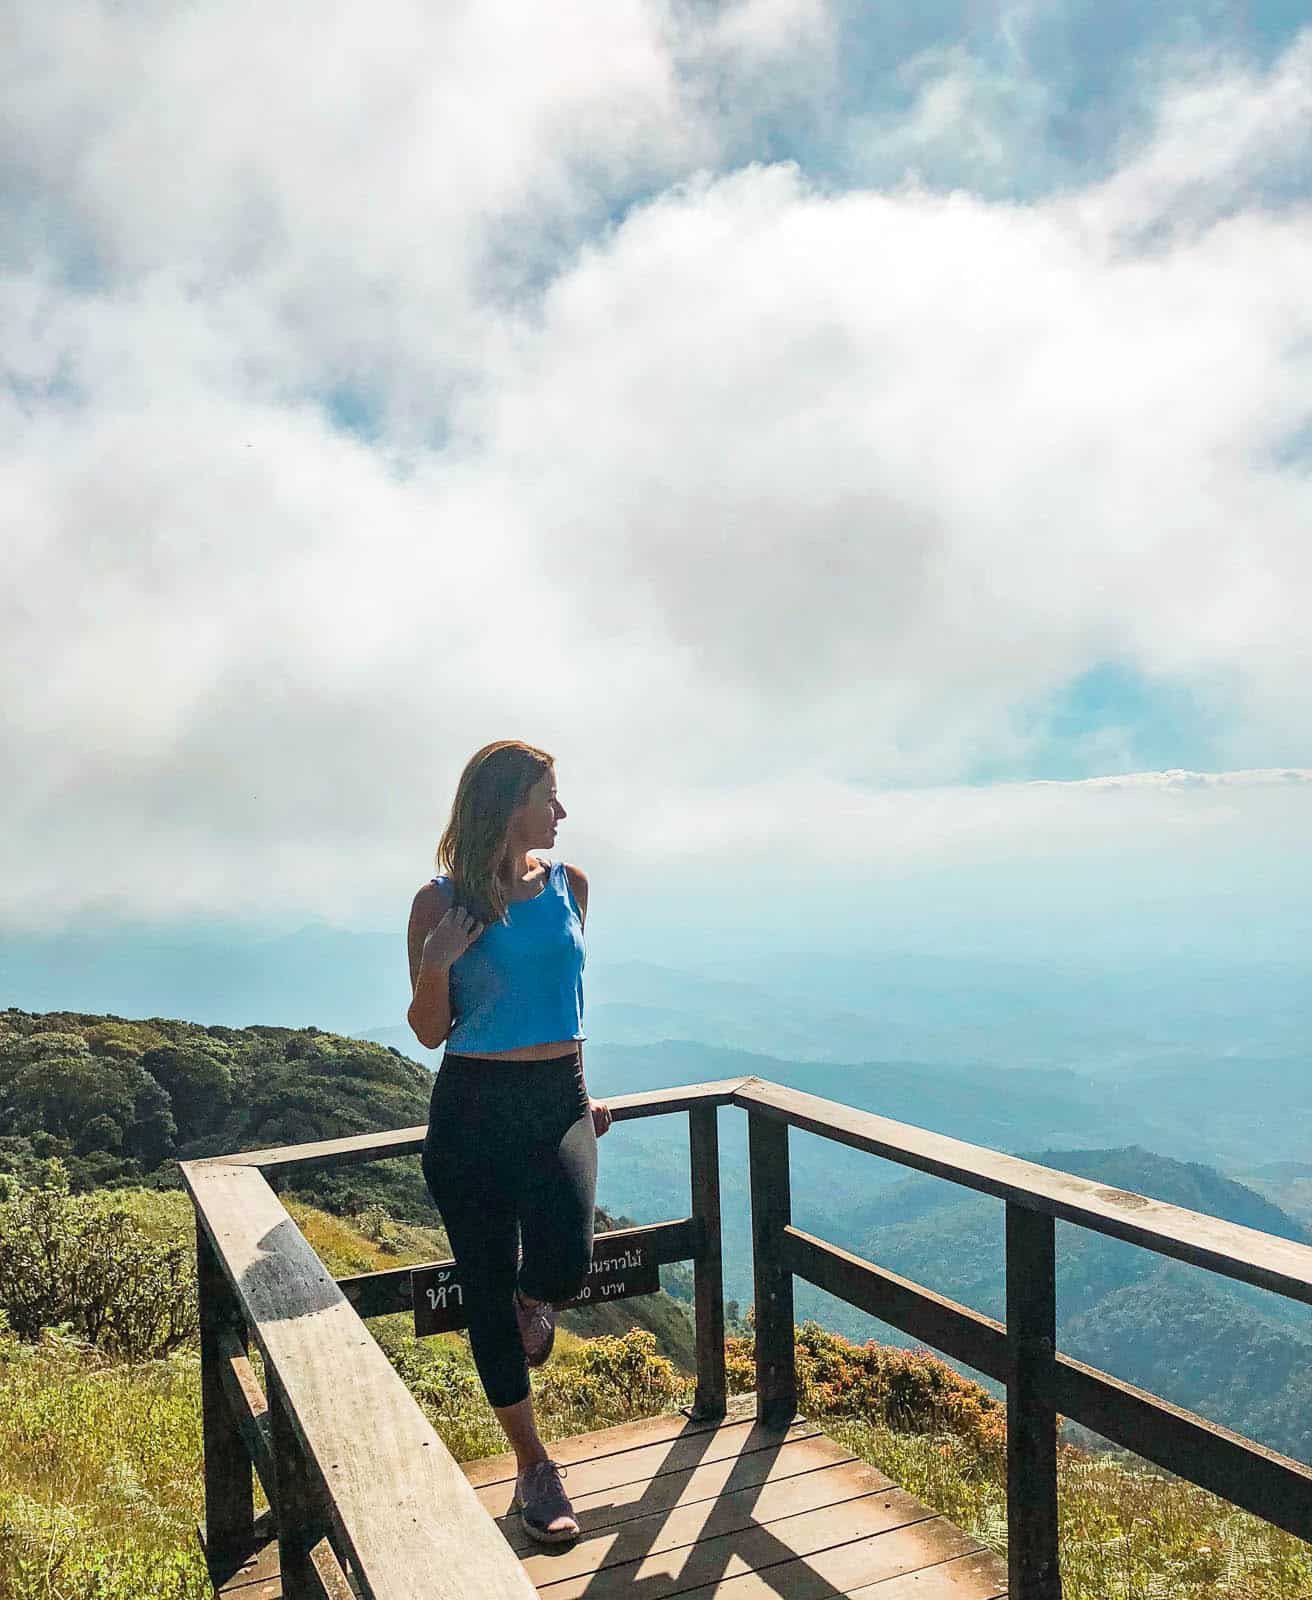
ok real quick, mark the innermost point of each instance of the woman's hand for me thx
(601, 1117)
(450, 937)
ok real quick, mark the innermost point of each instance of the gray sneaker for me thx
(537, 1329)
(543, 1505)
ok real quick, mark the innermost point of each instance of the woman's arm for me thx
(429, 1015)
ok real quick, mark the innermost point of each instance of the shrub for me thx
(614, 1378)
(76, 1260)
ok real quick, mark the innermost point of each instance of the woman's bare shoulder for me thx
(432, 901)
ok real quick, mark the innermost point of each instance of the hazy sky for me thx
(847, 436)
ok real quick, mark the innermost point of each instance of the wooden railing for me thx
(366, 1498)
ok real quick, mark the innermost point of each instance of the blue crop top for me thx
(521, 981)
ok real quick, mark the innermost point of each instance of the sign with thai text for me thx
(622, 1267)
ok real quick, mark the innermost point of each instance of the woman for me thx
(496, 961)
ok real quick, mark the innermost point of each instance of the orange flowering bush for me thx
(912, 1391)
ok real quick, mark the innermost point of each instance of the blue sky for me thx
(847, 436)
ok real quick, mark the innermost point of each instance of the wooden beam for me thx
(403, 1513)
(708, 1266)
(250, 1409)
(1033, 1561)
(229, 1490)
(956, 1330)
(300, 1499)
(776, 1374)
(1246, 1254)
(1241, 1471)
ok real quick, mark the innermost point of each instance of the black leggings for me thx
(510, 1154)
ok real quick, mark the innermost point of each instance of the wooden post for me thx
(776, 1376)
(299, 1521)
(229, 1487)
(708, 1268)
(1034, 1569)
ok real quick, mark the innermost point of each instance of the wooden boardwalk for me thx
(671, 1507)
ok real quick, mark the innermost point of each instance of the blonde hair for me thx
(496, 779)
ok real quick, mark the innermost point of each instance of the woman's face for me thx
(535, 819)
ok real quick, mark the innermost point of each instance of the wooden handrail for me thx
(287, 1158)
(1247, 1254)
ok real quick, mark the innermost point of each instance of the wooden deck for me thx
(671, 1507)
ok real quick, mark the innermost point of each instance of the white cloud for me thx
(745, 497)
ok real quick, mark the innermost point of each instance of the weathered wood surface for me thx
(403, 1513)
(1246, 1254)
(738, 1511)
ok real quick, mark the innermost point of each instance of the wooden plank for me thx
(608, 1505)
(851, 1485)
(943, 1324)
(979, 1576)
(402, 1510)
(250, 1409)
(776, 1375)
(229, 1489)
(286, 1158)
(819, 1553)
(1034, 1568)
(708, 1265)
(1247, 1474)
(1246, 1254)
(674, 1436)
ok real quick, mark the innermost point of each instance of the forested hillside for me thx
(119, 1102)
